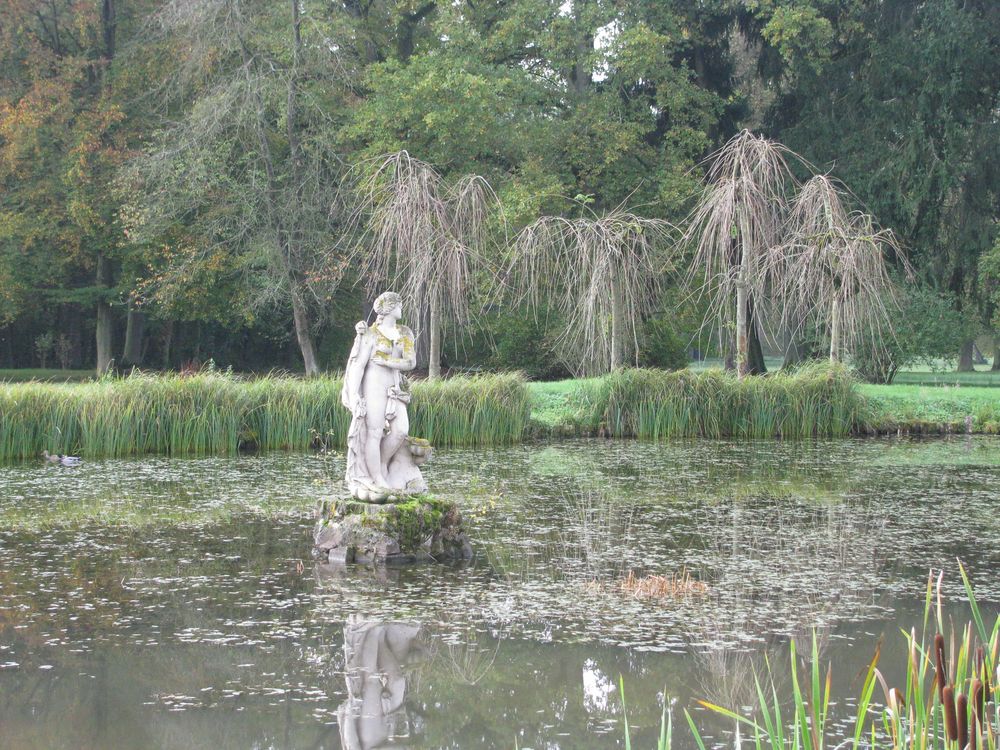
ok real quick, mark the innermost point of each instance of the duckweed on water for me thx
(220, 630)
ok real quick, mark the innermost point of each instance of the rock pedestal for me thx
(418, 528)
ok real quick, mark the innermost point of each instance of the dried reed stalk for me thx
(674, 586)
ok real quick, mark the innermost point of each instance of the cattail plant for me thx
(957, 702)
(941, 666)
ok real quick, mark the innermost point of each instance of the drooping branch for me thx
(601, 276)
(425, 237)
(834, 269)
(735, 229)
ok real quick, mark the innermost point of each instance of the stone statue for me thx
(382, 459)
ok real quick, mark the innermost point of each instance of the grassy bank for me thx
(212, 413)
(656, 405)
(932, 409)
(710, 403)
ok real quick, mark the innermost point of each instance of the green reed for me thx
(947, 701)
(217, 413)
(655, 404)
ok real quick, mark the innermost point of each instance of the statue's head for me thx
(387, 302)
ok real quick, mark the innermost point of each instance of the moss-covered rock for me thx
(418, 528)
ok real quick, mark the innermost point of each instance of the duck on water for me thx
(58, 458)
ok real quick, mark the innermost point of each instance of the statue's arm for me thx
(409, 359)
(356, 363)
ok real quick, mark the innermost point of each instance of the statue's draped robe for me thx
(379, 346)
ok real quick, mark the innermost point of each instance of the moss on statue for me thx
(418, 527)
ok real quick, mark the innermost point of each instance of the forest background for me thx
(175, 173)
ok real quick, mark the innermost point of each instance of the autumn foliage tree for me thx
(61, 141)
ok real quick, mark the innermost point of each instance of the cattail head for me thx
(941, 667)
(978, 701)
(962, 709)
(950, 714)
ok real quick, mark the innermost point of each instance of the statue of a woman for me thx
(381, 459)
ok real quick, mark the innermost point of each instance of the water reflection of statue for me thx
(373, 716)
(382, 460)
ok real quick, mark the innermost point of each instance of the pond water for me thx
(174, 603)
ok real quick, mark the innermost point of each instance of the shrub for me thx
(926, 327)
(513, 340)
(663, 346)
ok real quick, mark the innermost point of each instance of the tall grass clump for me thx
(476, 410)
(815, 401)
(217, 413)
(947, 700)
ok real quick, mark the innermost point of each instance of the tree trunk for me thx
(422, 324)
(742, 339)
(300, 314)
(835, 332)
(796, 352)
(965, 357)
(755, 353)
(996, 356)
(406, 28)
(581, 75)
(5, 337)
(617, 345)
(434, 355)
(134, 329)
(168, 340)
(105, 322)
(304, 335)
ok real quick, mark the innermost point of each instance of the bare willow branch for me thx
(736, 224)
(424, 236)
(833, 266)
(602, 276)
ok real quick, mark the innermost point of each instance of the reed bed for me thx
(816, 401)
(215, 413)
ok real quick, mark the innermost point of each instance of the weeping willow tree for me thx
(735, 230)
(601, 276)
(833, 267)
(425, 236)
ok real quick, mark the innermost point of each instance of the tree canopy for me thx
(185, 164)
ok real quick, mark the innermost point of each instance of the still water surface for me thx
(173, 603)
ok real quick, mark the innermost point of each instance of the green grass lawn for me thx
(982, 377)
(908, 404)
(935, 373)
